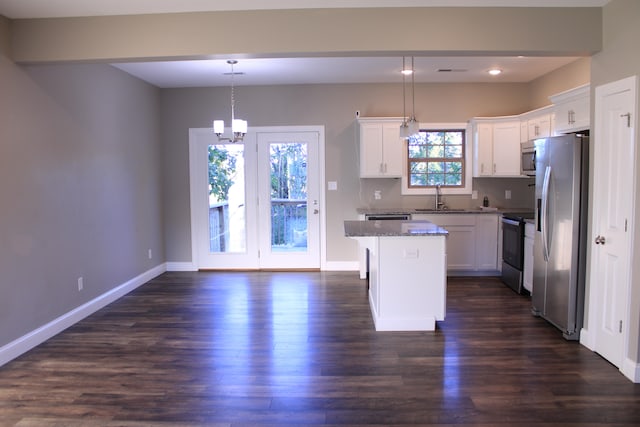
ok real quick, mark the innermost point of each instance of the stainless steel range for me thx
(513, 249)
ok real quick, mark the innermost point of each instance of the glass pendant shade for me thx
(218, 127)
(413, 126)
(239, 126)
(404, 130)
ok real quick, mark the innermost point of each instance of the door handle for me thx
(316, 211)
(600, 240)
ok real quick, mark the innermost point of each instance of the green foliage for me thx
(222, 170)
(288, 171)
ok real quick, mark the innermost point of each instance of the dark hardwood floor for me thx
(299, 348)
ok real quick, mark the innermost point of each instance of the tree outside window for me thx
(436, 157)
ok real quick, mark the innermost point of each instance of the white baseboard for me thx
(587, 339)
(26, 342)
(341, 266)
(181, 266)
(631, 370)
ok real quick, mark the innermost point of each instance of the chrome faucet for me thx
(439, 203)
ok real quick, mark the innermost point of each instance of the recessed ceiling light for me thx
(495, 71)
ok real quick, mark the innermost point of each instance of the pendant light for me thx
(414, 126)
(404, 127)
(238, 126)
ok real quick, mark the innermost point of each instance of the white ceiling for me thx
(300, 70)
(277, 71)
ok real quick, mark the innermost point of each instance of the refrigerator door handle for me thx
(545, 213)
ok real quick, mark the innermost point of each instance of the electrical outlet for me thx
(474, 194)
(80, 284)
(377, 195)
(150, 254)
(332, 185)
(507, 194)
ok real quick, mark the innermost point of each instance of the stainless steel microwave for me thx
(528, 158)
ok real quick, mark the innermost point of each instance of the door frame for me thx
(588, 336)
(197, 133)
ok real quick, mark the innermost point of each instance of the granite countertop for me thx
(392, 228)
(427, 211)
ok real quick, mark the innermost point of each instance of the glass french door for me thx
(288, 200)
(255, 203)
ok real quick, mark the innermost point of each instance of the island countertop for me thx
(392, 228)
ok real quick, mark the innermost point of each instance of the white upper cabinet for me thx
(381, 148)
(496, 147)
(572, 110)
(536, 124)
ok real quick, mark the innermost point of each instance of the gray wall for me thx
(619, 59)
(80, 188)
(334, 107)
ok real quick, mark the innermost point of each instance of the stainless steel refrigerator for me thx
(561, 228)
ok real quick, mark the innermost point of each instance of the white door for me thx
(614, 175)
(232, 223)
(289, 200)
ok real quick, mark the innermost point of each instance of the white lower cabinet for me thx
(487, 242)
(527, 274)
(472, 244)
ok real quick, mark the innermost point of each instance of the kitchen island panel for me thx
(407, 282)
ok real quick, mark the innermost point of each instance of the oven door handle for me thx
(510, 222)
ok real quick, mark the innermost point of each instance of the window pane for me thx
(418, 179)
(454, 179)
(436, 179)
(417, 151)
(431, 148)
(453, 138)
(418, 167)
(453, 167)
(453, 151)
(435, 138)
(436, 151)
(435, 167)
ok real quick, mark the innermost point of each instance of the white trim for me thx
(36, 337)
(594, 309)
(587, 339)
(468, 163)
(631, 370)
(194, 133)
(181, 266)
(341, 266)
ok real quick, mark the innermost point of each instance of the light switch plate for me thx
(332, 185)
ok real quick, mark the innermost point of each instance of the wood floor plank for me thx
(231, 349)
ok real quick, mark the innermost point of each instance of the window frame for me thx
(466, 186)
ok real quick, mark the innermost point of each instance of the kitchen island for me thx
(407, 272)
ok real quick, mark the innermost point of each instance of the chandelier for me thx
(238, 126)
(408, 127)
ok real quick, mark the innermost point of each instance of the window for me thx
(436, 157)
